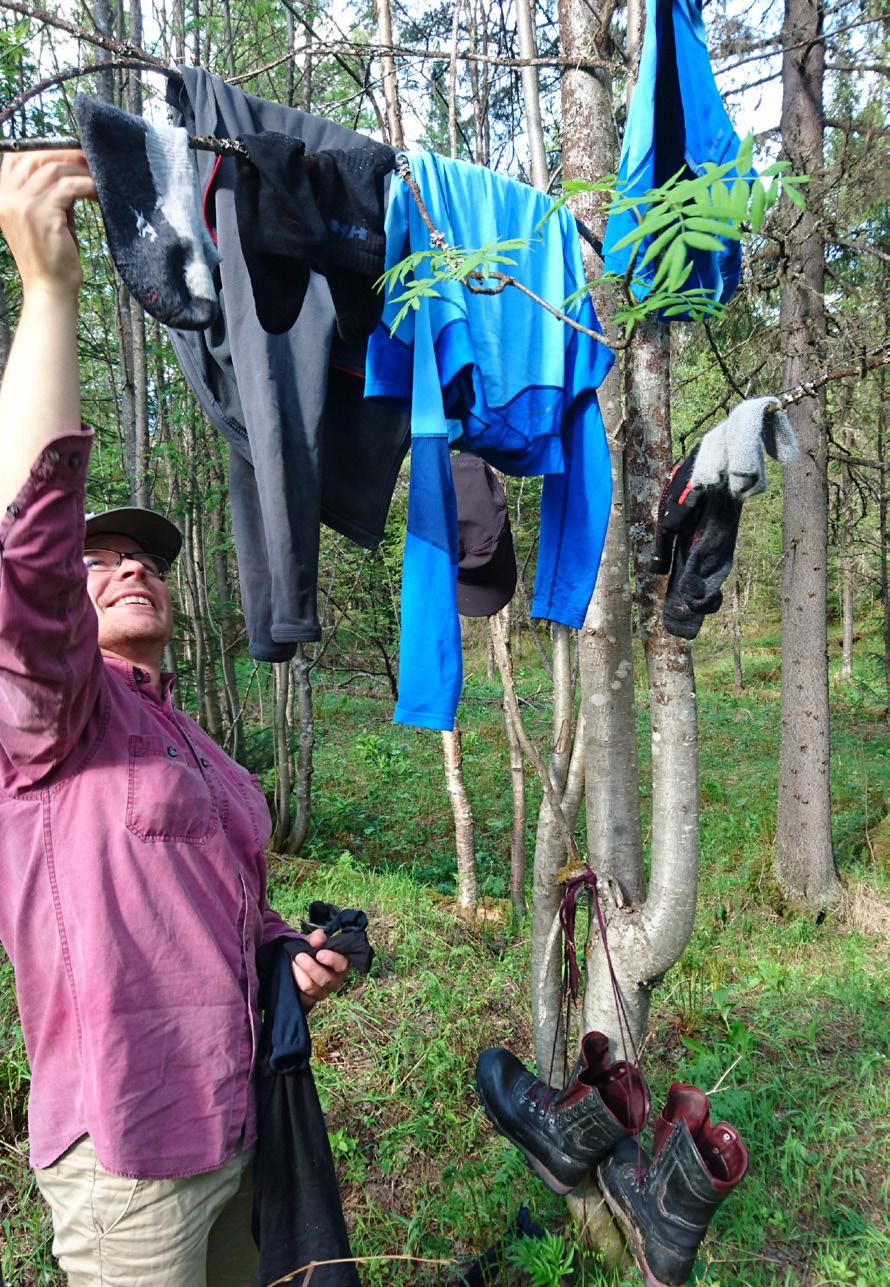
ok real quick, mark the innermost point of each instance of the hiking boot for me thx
(563, 1133)
(665, 1208)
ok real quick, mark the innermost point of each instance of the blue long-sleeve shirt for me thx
(677, 119)
(500, 376)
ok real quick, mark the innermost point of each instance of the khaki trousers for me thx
(112, 1232)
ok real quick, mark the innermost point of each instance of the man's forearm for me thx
(40, 393)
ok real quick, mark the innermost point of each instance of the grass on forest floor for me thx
(797, 1012)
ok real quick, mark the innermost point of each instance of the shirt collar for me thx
(137, 677)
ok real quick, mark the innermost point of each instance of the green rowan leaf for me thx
(702, 241)
(745, 156)
(794, 196)
(658, 245)
(758, 206)
(715, 227)
(739, 197)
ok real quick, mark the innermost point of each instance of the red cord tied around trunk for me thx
(567, 910)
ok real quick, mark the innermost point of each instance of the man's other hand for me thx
(319, 976)
(37, 193)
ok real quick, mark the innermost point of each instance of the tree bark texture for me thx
(884, 535)
(550, 856)
(464, 830)
(804, 859)
(517, 783)
(305, 749)
(281, 743)
(847, 598)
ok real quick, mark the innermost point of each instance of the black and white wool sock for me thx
(147, 182)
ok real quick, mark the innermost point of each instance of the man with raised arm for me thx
(132, 867)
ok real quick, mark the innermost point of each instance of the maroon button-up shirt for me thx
(132, 871)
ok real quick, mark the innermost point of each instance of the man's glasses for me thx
(108, 560)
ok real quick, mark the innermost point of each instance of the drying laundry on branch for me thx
(499, 376)
(305, 446)
(701, 505)
(324, 212)
(677, 122)
(147, 183)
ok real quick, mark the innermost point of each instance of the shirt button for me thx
(172, 752)
(74, 459)
(204, 763)
(52, 456)
(138, 675)
(12, 509)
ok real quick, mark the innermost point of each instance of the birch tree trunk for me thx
(464, 830)
(804, 858)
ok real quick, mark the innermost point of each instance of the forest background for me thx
(778, 999)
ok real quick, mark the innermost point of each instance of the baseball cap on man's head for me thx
(154, 533)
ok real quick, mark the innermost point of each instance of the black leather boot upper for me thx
(563, 1133)
(667, 1207)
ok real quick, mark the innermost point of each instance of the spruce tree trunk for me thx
(846, 511)
(804, 858)
(884, 537)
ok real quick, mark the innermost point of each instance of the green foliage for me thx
(545, 1260)
(425, 271)
(788, 1016)
(679, 217)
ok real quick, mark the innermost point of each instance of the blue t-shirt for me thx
(499, 376)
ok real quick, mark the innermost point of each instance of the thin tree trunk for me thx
(383, 14)
(452, 81)
(281, 674)
(884, 537)
(738, 679)
(517, 785)
(291, 68)
(548, 1027)
(804, 857)
(5, 334)
(846, 507)
(528, 49)
(464, 831)
(305, 748)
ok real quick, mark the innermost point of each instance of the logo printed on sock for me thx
(143, 227)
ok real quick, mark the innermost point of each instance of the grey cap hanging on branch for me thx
(151, 207)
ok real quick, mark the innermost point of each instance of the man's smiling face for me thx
(132, 604)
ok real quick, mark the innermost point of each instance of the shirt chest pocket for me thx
(168, 798)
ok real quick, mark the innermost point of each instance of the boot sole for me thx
(540, 1170)
(634, 1240)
